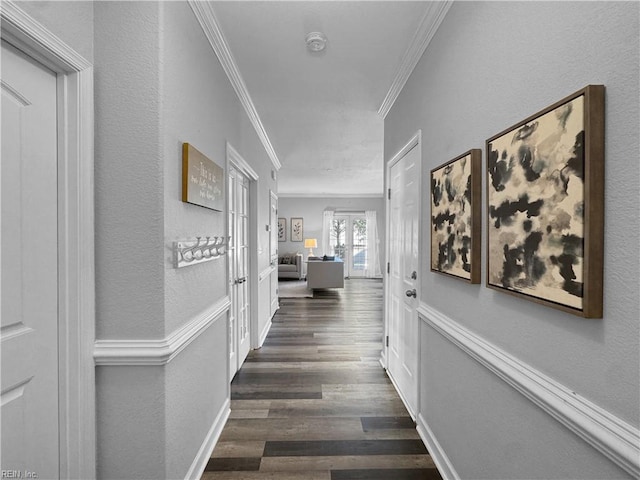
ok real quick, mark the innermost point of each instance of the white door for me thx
(239, 333)
(29, 261)
(402, 318)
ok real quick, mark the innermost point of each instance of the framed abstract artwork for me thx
(202, 179)
(456, 217)
(545, 205)
(296, 229)
(282, 229)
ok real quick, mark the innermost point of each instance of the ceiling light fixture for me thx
(316, 41)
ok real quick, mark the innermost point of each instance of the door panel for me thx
(404, 262)
(244, 341)
(29, 285)
(239, 316)
(233, 274)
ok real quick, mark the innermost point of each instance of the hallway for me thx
(313, 403)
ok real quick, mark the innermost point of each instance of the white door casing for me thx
(29, 296)
(243, 259)
(402, 325)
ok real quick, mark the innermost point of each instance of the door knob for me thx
(411, 293)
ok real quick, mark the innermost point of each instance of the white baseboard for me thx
(204, 453)
(610, 435)
(264, 333)
(435, 450)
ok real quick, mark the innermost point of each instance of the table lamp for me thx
(310, 243)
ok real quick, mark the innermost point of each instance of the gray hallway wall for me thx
(490, 65)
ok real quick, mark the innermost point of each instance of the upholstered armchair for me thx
(290, 265)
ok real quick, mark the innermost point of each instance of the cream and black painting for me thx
(455, 217)
(536, 200)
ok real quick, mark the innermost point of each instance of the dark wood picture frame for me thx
(545, 186)
(202, 180)
(456, 217)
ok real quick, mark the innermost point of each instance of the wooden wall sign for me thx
(202, 180)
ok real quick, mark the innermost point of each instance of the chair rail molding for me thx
(427, 28)
(612, 436)
(158, 352)
(208, 21)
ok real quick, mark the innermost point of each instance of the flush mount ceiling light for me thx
(316, 41)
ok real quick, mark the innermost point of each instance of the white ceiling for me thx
(319, 110)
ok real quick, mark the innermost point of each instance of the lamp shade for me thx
(310, 243)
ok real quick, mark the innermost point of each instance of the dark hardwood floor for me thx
(314, 403)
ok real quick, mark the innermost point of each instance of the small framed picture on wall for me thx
(296, 229)
(282, 229)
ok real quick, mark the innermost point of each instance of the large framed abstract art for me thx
(545, 205)
(456, 217)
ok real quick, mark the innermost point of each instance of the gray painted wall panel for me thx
(130, 406)
(197, 387)
(128, 171)
(499, 433)
(206, 117)
(490, 65)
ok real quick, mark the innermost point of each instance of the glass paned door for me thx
(358, 246)
(338, 237)
(349, 242)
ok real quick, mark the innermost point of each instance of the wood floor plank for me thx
(385, 423)
(233, 464)
(239, 449)
(347, 462)
(262, 475)
(322, 448)
(387, 474)
(314, 403)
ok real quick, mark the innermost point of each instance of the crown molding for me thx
(157, 352)
(607, 433)
(427, 28)
(206, 17)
